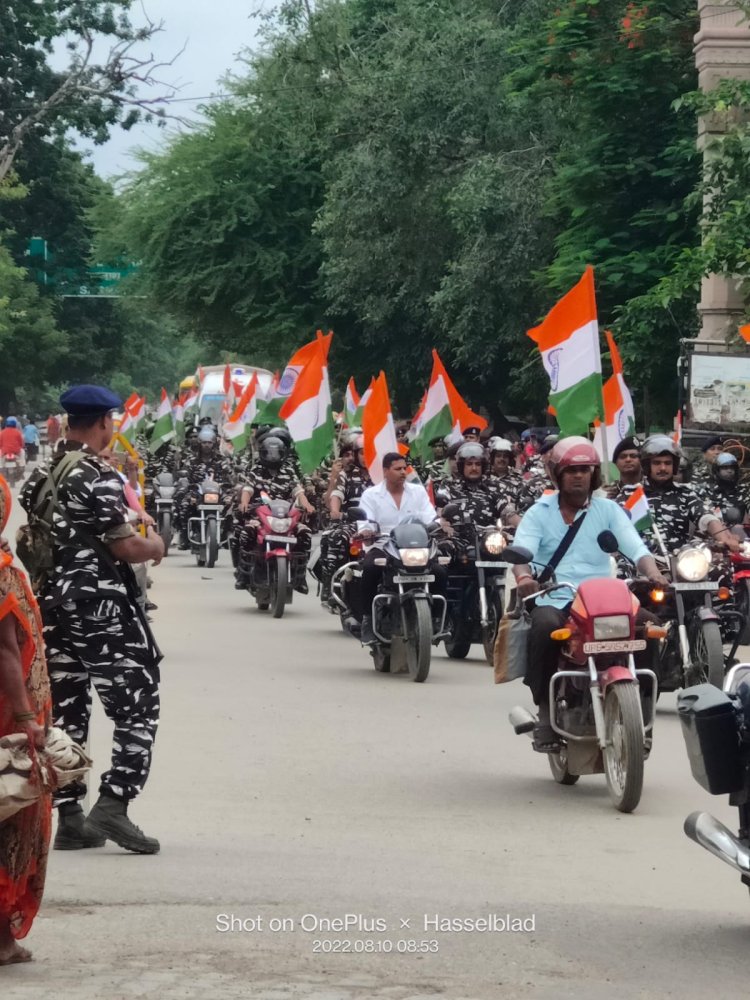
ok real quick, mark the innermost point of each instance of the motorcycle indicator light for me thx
(656, 631)
(693, 563)
(495, 542)
(355, 549)
(611, 627)
(210, 498)
(657, 595)
(561, 634)
(724, 593)
(415, 557)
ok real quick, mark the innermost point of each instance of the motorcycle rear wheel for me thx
(623, 753)
(418, 639)
(708, 652)
(279, 570)
(558, 764)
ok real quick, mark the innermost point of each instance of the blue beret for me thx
(89, 401)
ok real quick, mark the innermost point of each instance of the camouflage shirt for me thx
(217, 467)
(533, 488)
(676, 511)
(483, 500)
(351, 485)
(511, 485)
(91, 495)
(283, 484)
(718, 497)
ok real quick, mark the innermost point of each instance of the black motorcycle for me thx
(407, 618)
(476, 584)
(206, 527)
(716, 727)
(164, 488)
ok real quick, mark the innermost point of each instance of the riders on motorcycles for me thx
(480, 494)
(204, 462)
(11, 439)
(502, 468)
(392, 502)
(711, 448)
(271, 477)
(676, 509)
(725, 488)
(575, 469)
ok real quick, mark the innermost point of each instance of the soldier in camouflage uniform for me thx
(94, 631)
(701, 472)
(627, 459)
(676, 509)
(502, 471)
(350, 485)
(205, 462)
(538, 483)
(436, 469)
(480, 495)
(726, 487)
(273, 477)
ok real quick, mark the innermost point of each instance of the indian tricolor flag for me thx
(619, 415)
(568, 341)
(238, 428)
(357, 419)
(178, 415)
(638, 509)
(163, 429)
(378, 428)
(133, 417)
(308, 412)
(285, 386)
(435, 416)
(351, 403)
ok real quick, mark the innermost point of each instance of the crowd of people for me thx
(89, 539)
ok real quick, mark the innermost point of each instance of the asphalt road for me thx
(293, 785)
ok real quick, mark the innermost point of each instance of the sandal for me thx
(545, 739)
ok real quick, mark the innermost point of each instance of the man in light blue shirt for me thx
(575, 468)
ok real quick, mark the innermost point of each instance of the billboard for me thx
(719, 394)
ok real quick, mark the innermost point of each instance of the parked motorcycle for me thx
(206, 528)
(407, 618)
(698, 613)
(163, 500)
(716, 727)
(476, 584)
(601, 706)
(276, 560)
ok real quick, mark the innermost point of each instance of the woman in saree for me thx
(24, 707)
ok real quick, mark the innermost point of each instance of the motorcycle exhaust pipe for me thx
(521, 719)
(707, 831)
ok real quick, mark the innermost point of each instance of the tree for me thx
(91, 94)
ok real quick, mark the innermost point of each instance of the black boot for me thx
(183, 544)
(367, 636)
(71, 834)
(109, 818)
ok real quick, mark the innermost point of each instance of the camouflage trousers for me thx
(102, 643)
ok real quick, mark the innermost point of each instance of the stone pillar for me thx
(722, 51)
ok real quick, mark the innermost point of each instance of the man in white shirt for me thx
(392, 502)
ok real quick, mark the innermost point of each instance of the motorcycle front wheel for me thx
(708, 652)
(165, 530)
(212, 543)
(489, 632)
(623, 753)
(743, 606)
(279, 570)
(457, 646)
(418, 639)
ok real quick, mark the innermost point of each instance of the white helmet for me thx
(499, 444)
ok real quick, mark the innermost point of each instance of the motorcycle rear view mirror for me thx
(355, 514)
(607, 542)
(517, 555)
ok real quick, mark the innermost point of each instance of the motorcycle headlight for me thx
(280, 524)
(414, 557)
(210, 498)
(495, 542)
(694, 563)
(612, 627)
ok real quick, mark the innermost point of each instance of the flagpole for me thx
(605, 445)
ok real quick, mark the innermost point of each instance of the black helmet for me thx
(471, 449)
(726, 468)
(659, 444)
(272, 451)
(280, 433)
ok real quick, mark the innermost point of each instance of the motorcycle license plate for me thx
(614, 646)
(490, 565)
(281, 538)
(422, 578)
(701, 585)
(209, 506)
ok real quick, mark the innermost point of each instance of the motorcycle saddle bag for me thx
(710, 727)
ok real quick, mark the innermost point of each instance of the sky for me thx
(213, 32)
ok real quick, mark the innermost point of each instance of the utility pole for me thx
(722, 51)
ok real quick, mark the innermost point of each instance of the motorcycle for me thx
(696, 615)
(275, 562)
(12, 468)
(716, 728)
(476, 584)
(740, 574)
(407, 618)
(163, 500)
(601, 706)
(347, 579)
(206, 528)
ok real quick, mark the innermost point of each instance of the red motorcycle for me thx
(277, 559)
(601, 707)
